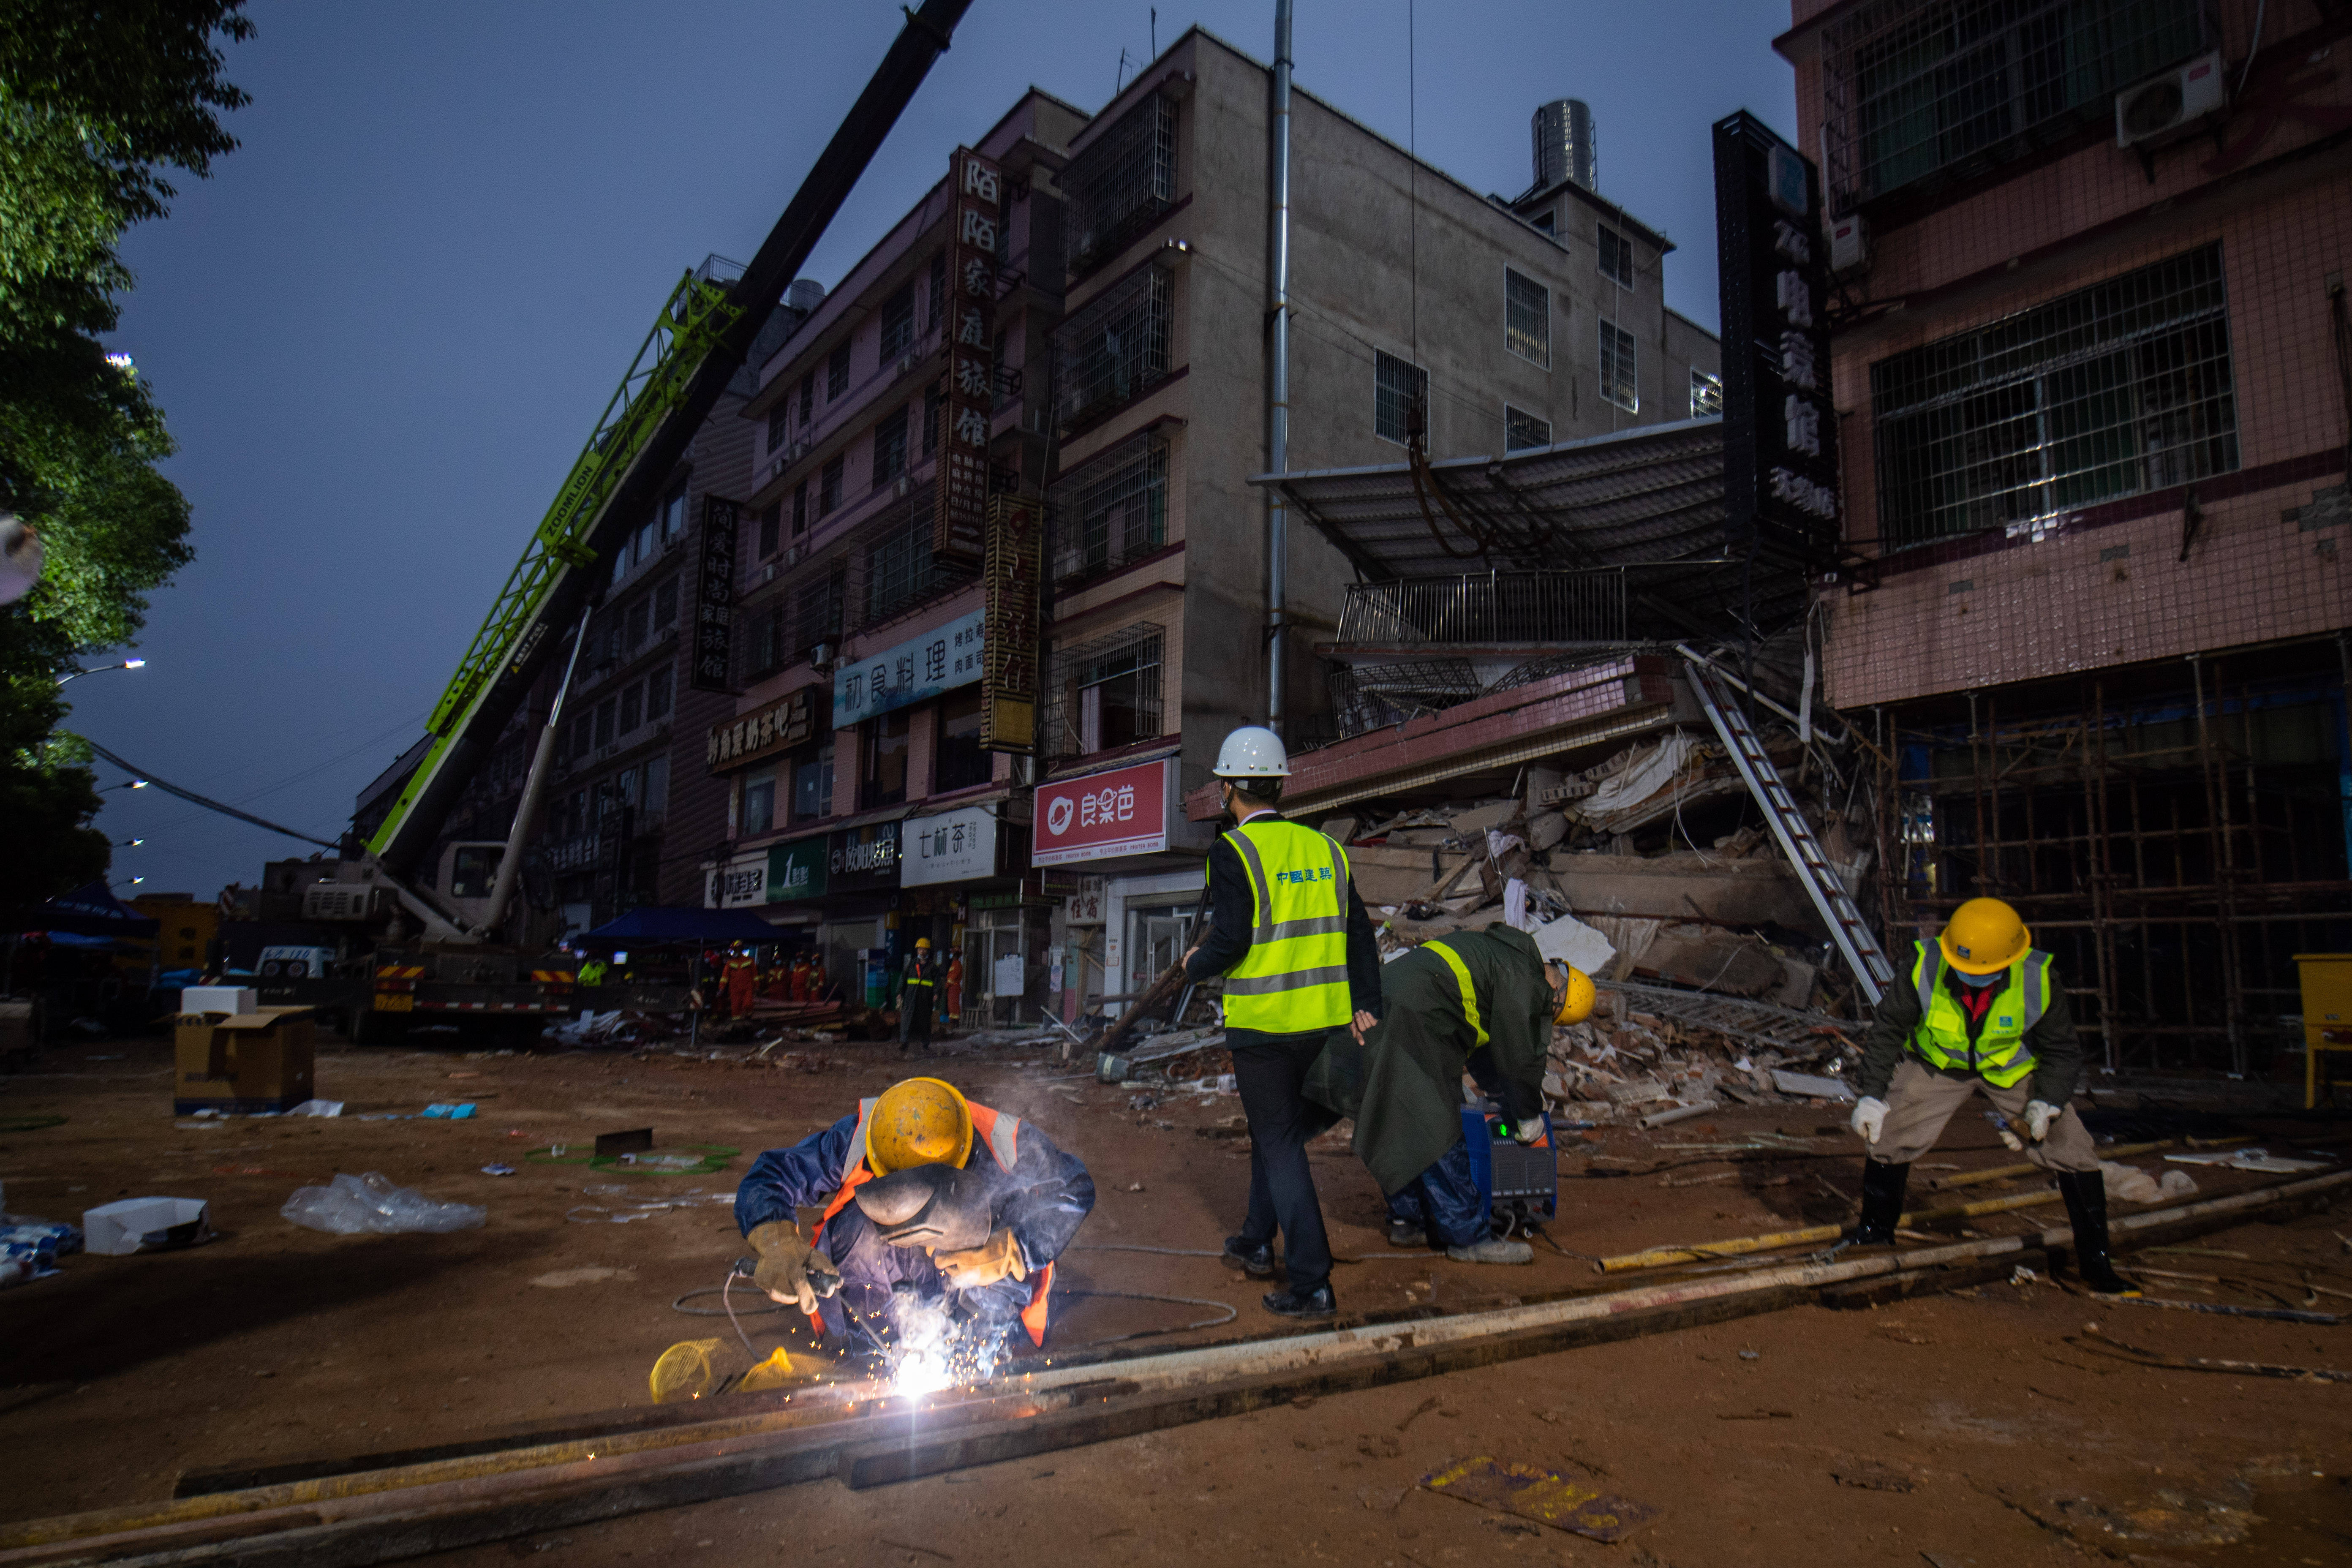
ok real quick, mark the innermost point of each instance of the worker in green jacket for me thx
(1980, 1012)
(1482, 1002)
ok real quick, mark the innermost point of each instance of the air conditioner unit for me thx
(2164, 104)
(794, 556)
(904, 484)
(1849, 243)
(905, 363)
(768, 572)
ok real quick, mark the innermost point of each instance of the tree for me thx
(98, 99)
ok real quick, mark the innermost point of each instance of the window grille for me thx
(1398, 386)
(1116, 187)
(836, 372)
(936, 306)
(1105, 693)
(1616, 258)
(1620, 375)
(898, 322)
(1915, 88)
(1527, 317)
(1705, 395)
(1111, 511)
(1522, 429)
(1115, 346)
(816, 611)
(808, 396)
(890, 446)
(763, 640)
(896, 567)
(2121, 387)
(800, 508)
(828, 486)
(778, 417)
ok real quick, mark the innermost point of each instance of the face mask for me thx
(1979, 981)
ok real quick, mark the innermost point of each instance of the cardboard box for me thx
(243, 1063)
(143, 1224)
(229, 999)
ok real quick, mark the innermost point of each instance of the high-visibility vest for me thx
(1294, 978)
(1999, 1054)
(1001, 1130)
(1470, 1013)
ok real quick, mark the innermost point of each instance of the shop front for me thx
(859, 936)
(966, 890)
(1128, 866)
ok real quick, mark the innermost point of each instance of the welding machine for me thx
(1518, 1184)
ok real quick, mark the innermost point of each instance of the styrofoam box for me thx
(230, 999)
(118, 1229)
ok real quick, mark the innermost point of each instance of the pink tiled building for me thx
(2094, 401)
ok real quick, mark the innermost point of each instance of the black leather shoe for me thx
(1290, 1303)
(1255, 1259)
(1404, 1233)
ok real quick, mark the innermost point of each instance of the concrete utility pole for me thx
(1277, 395)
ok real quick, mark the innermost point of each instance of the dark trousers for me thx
(1444, 1201)
(915, 1015)
(1270, 1071)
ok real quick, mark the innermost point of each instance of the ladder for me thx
(1822, 882)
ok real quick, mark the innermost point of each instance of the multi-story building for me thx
(2091, 382)
(1419, 308)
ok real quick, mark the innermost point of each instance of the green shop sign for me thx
(796, 871)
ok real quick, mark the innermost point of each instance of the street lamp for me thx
(129, 843)
(100, 669)
(134, 784)
(132, 883)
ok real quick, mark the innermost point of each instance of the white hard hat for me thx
(1253, 751)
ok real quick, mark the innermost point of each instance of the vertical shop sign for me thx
(1781, 473)
(976, 191)
(714, 598)
(1008, 707)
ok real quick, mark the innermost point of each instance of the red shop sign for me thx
(1121, 812)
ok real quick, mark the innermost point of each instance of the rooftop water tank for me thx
(1563, 143)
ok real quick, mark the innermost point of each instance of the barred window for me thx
(1522, 429)
(828, 484)
(900, 568)
(1117, 186)
(1705, 395)
(1107, 693)
(836, 372)
(1916, 89)
(1111, 511)
(890, 446)
(898, 322)
(1115, 346)
(1620, 381)
(1398, 387)
(936, 308)
(800, 508)
(763, 640)
(1616, 258)
(808, 396)
(816, 612)
(777, 418)
(2118, 388)
(1527, 317)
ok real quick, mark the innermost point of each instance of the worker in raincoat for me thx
(1025, 1198)
(1482, 1002)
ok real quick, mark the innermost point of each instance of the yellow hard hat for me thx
(921, 1122)
(922, 943)
(1984, 935)
(1575, 998)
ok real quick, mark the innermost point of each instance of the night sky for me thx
(381, 331)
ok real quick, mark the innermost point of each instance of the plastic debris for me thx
(498, 1170)
(318, 1108)
(445, 1112)
(2129, 1184)
(372, 1205)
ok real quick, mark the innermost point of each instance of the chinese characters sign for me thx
(1779, 427)
(955, 847)
(913, 671)
(739, 884)
(1121, 812)
(749, 737)
(976, 209)
(1008, 712)
(714, 599)
(862, 859)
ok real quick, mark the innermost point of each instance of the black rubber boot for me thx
(1882, 1203)
(1404, 1233)
(1255, 1259)
(2086, 1206)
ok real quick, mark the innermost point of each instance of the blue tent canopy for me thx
(655, 924)
(90, 909)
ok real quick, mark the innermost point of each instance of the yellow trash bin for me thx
(2326, 1013)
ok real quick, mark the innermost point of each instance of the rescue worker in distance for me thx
(1980, 1012)
(1296, 947)
(1480, 1002)
(915, 997)
(853, 1282)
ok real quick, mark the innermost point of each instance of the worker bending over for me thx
(1292, 940)
(1980, 1012)
(1482, 1002)
(930, 1203)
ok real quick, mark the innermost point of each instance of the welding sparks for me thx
(922, 1371)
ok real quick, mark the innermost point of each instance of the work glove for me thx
(2038, 1115)
(1869, 1117)
(790, 1271)
(998, 1258)
(1527, 1130)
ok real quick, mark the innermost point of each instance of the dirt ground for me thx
(1966, 1428)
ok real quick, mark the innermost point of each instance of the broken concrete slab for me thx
(1722, 961)
(1748, 892)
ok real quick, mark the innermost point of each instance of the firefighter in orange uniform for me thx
(740, 977)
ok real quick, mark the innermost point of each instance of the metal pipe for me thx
(534, 786)
(1277, 391)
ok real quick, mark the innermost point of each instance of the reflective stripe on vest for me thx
(1999, 1054)
(1469, 992)
(1001, 1134)
(1294, 978)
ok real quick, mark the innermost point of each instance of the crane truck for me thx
(447, 960)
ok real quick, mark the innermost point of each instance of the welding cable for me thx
(1230, 1312)
(1204, 1252)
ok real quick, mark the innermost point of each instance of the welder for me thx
(1481, 1002)
(1980, 1012)
(929, 1200)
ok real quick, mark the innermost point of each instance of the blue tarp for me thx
(90, 909)
(654, 924)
